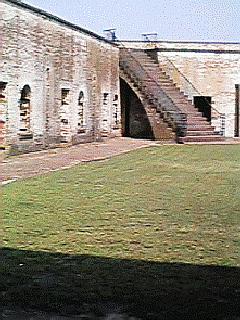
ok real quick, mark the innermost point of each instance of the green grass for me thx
(154, 231)
(165, 204)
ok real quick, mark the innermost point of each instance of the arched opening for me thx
(65, 128)
(135, 121)
(25, 112)
(116, 122)
(3, 114)
(81, 111)
(26, 92)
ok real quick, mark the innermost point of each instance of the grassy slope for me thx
(170, 204)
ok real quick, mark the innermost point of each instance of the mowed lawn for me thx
(166, 203)
(161, 206)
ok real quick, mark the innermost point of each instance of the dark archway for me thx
(135, 121)
(26, 92)
(25, 130)
(81, 111)
(3, 114)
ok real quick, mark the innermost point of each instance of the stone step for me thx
(213, 138)
(147, 65)
(199, 127)
(191, 108)
(202, 127)
(171, 89)
(181, 101)
(168, 86)
(201, 133)
(142, 56)
(197, 120)
(196, 117)
(154, 74)
(175, 94)
(195, 123)
(151, 70)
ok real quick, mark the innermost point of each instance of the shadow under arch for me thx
(135, 120)
(74, 284)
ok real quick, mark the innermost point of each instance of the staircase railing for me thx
(188, 88)
(152, 90)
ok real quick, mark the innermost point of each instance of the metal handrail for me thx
(170, 112)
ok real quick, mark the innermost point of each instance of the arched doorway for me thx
(65, 112)
(25, 131)
(81, 113)
(3, 114)
(135, 121)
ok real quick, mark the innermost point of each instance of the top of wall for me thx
(44, 14)
(184, 46)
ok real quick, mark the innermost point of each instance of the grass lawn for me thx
(128, 230)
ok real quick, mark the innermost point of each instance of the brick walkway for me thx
(28, 165)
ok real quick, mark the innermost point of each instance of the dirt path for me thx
(28, 165)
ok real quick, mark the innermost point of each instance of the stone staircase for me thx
(197, 128)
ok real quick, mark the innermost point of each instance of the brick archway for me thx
(135, 119)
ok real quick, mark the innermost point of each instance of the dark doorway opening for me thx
(204, 105)
(3, 114)
(135, 121)
(237, 111)
(25, 108)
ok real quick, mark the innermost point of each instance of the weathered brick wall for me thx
(50, 56)
(212, 74)
(212, 68)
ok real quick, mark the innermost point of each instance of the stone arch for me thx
(25, 130)
(134, 114)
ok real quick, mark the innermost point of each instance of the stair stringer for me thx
(198, 129)
(160, 129)
(187, 88)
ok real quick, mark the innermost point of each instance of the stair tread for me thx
(198, 128)
(201, 138)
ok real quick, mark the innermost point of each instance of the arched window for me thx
(81, 122)
(65, 115)
(26, 92)
(25, 112)
(2, 89)
(116, 121)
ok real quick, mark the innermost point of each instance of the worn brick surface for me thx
(50, 56)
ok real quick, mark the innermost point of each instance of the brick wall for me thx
(51, 57)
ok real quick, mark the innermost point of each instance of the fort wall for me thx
(202, 69)
(62, 85)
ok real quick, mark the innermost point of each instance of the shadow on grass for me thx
(150, 290)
